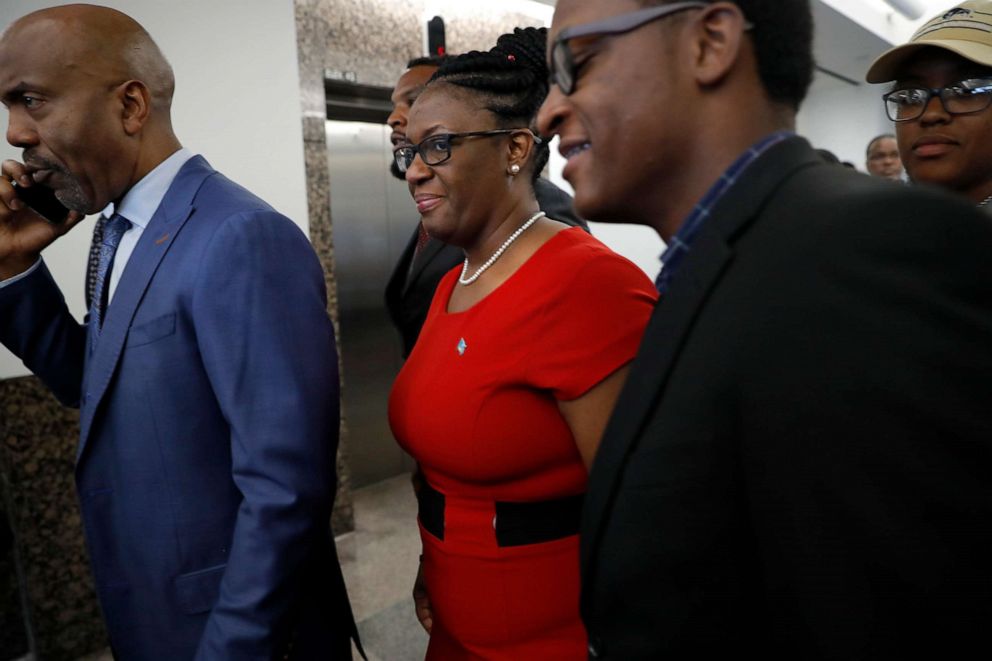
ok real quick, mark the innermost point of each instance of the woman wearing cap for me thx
(506, 393)
(945, 141)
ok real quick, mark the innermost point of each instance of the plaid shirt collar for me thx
(679, 245)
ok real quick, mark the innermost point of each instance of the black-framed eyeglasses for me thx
(437, 148)
(961, 98)
(563, 65)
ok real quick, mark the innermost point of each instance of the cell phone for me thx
(43, 201)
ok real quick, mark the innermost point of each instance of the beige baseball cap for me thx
(965, 29)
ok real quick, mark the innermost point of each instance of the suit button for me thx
(596, 650)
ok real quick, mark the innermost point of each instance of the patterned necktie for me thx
(112, 234)
(93, 263)
(422, 238)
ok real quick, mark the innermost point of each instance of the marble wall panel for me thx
(321, 235)
(375, 38)
(38, 439)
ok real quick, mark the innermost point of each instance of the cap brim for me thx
(886, 67)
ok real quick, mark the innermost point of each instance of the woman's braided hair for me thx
(511, 79)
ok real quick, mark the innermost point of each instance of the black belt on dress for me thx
(516, 524)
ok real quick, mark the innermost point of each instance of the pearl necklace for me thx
(496, 255)
(985, 201)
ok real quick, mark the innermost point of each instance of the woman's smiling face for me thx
(456, 197)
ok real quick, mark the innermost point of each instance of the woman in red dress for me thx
(508, 389)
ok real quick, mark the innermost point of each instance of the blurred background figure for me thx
(882, 158)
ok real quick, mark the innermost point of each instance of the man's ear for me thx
(718, 39)
(135, 105)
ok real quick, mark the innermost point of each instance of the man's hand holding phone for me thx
(24, 230)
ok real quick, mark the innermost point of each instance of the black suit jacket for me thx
(800, 463)
(409, 298)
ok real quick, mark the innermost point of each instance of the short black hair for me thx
(512, 79)
(871, 143)
(427, 61)
(828, 156)
(782, 33)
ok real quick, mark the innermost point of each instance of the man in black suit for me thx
(800, 464)
(424, 260)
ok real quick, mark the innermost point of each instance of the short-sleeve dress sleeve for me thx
(592, 324)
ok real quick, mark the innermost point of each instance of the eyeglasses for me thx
(437, 148)
(563, 66)
(961, 98)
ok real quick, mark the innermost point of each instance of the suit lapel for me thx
(398, 280)
(430, 251)
(663, 337)
(672, 320)
(155, 241)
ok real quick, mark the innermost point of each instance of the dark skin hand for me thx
(421, 602)
(23, 233)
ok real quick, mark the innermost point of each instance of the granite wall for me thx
(370, 41)
(374, 39)
(37, 454)
(319, 210)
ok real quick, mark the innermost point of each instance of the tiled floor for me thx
(379, 561)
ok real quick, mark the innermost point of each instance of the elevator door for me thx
(372, 218)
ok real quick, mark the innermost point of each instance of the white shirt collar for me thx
(142, 201)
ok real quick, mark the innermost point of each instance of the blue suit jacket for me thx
(209, 425)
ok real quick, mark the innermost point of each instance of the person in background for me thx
(503, 400)
(425, 260)
(799, 465)
(882, 158)
(206, 371)
(409, 86)
(939, 100)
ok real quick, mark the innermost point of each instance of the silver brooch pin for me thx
(462, 346)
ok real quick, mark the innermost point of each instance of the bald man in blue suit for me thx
(206, 371)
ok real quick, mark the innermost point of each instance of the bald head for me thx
(103, 44)
(88, 95)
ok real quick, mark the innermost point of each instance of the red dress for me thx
(476, 406)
